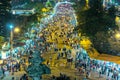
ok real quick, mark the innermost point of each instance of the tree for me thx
(94, 21)
(79, 7)
(48, 3)
(96, 8)
(2, 40)
(101, 42)
(111, 11)
(98, 22)
(94, 17)
(36, 69)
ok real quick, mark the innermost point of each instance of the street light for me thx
(117, 35)
(11, 46)
(11, 43)
(17, 30)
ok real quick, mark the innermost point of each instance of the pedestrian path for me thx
(95, 76)
(16, 76)
(69, 69)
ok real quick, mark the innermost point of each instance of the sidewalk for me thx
(16, 75)
(95, 76)
(69, 70)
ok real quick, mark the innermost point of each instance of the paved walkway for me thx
(16, 75)
(57, 67)
(72, 73)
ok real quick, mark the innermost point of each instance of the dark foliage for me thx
(36, 68)
(61, 77)
(95, 20)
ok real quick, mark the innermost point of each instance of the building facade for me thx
(111, 2)
(4, 16)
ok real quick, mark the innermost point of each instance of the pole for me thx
(11, 48)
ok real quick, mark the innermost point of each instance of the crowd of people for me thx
(86, 65)
(57, 27)
(89, 67)
(9, 66)
(63, 22)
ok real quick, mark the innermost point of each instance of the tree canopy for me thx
(95, 20)
(36, 67)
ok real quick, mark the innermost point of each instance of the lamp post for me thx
(11, 44)
(11, 48)
(17, 30)
(117, 36)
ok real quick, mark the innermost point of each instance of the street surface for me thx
(57, 67)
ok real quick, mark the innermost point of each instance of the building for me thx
(19, 3)
(22, 2)
(4, 16)
(110, 2)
